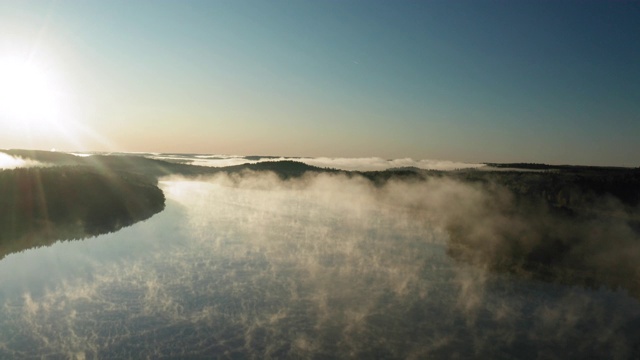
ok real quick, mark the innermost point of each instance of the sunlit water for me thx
(247, 272)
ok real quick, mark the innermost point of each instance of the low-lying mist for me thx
(11, 162)
(348, 164)
(593, 243)
(331, 265)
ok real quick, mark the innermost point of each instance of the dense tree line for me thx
(41, 205)
(576, 226)
(570, 224)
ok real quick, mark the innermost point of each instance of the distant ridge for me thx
(284, 168)
(137, 164)
(52, 157)
(540, 166)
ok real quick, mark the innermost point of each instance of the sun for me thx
(28, 94)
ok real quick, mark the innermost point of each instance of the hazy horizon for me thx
(370, 163)
(469, 81)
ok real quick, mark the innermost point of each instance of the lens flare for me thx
(28, 93)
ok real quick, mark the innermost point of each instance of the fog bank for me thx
(349, 164)
(10, 162)
(326, 265)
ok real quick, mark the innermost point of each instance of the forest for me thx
(39, 206)
(570, 224)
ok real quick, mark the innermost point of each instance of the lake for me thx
(263, 270)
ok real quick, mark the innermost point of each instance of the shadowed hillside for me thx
(135, 164)
(39, 206)
(153, 168)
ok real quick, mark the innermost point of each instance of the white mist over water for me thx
(349, 164)
(10, 162)
(330, 266)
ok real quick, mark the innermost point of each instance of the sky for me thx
(473, 81)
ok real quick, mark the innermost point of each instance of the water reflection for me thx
(243, 268)
(39, 206)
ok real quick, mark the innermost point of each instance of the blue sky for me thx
(533, 81)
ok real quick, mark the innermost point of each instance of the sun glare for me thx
(28, 95)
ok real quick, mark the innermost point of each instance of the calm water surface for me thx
(244, 272)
